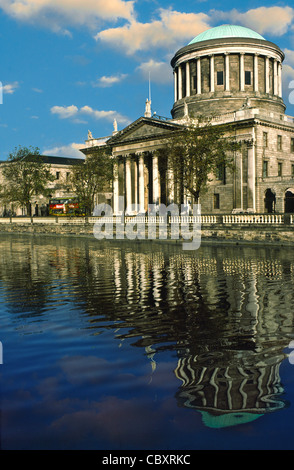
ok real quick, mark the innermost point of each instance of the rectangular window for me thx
(264, 169)
(247, 77)
(292, 145)
(279, 142)
(280, 168)
(292, 169)
(216, 201)
(221, 173)
(220, 78)
(265, 139)
(57, 175)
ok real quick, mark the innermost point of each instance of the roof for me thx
(61, 160)
(144, 128)
(226, 31)
(53, 160)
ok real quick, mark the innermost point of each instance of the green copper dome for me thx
(226, 31)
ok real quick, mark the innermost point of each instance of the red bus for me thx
(68, 206)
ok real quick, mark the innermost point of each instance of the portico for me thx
(138, 180)
(141, 172)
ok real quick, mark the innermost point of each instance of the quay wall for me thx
(233, 231)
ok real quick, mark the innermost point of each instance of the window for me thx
(264, 169)
(216, 201)
(280, 168)
(220, 78)
(279, 142)
(221, 172)
(292, 169)
(247, 78)
(265, 139)
(57, 176)
(292, 145)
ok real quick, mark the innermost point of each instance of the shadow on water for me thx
(223, 314)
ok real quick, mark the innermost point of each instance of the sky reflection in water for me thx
(144, 346)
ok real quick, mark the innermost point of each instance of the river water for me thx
(142, 345)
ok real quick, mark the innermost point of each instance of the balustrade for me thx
(203, 219)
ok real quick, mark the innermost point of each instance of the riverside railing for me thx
(253, 219)
(204, 219)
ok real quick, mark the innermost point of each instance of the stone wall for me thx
(280, 235)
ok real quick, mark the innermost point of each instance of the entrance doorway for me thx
(270, 201)
(289, 200)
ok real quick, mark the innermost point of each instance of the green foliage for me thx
(196, 152)
(92, 176)
(24, 176)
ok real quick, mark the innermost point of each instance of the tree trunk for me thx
(29, 209)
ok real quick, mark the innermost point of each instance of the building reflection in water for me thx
(226, 314)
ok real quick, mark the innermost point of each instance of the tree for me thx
(92, 176)
(24, 176)
(198, 151)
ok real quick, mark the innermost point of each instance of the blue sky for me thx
(72, 65)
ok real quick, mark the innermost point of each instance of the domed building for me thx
(224, 66)
(233, 75)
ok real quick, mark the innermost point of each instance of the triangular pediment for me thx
(143, 129)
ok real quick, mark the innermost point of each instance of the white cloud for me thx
(107, 115)
(110, 80)
(160, 72)
(70, 150)
(57, 13)
(10, 88)
(67, 112)
(171, 29)
(288, 77)
(273, 20)
(289, 56)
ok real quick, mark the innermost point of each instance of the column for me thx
(241, 181)
(141, 184)
(188, 91)
(242, 72)
(251, 198)
(135, 182)
(128, 183)
(176, 84)
(170, 185)
(227, 72)
(115, 188)
(198, 76)
(155, 180)
(256, 72)
(180, 90)
(276, 84)
(267, 74)
(212, 73)
(280, 79)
